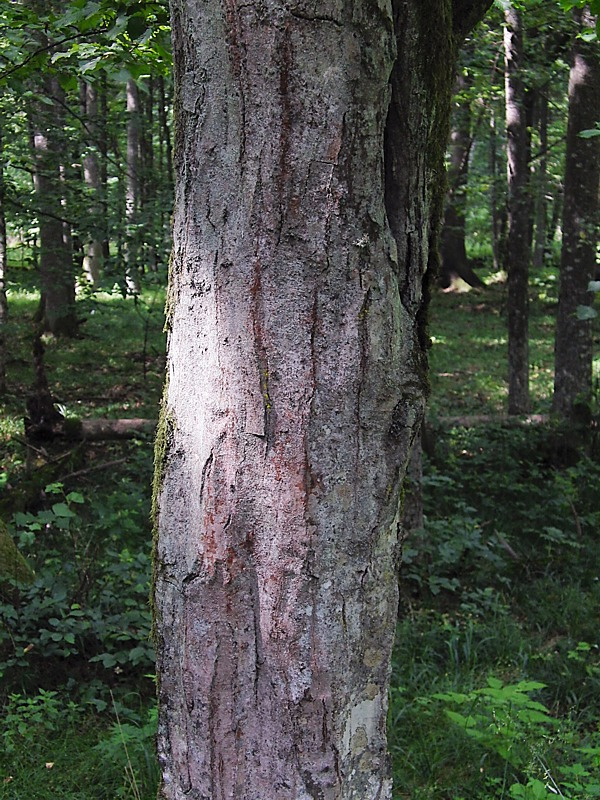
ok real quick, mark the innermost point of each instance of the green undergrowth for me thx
(496, 681)
(496, 672)
(468, 356)
(76, 662)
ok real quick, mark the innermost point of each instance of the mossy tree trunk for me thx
(309, 161)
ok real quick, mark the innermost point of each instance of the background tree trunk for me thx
(132, 189)
(573, 345)
(296, 383)
(3, 269)
(518, 250)
(541, 202)
(57, 281)
(454, 260)
(93, 250)
(497, 212)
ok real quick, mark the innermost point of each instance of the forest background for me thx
(496, 681)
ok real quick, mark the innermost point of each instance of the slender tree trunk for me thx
(309, 185)
(164, 130)
(93, 250)
(573, 345)
(541, 203)
(132, 190)
(103, 149)
(498, 212)
(150, 180)
(452, 248)
(57, 280)
(518, 250)
(3, 269)
(166, 160)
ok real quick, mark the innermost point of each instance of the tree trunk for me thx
(57, 280)
(165, 132)
(3, 269)
(573, 345)
(103, 149)
(132, 189)
(518, 250)
(308, 193)
(453, 252)
(93, 250)
(541, 203)
(150, 182)
(497, 213)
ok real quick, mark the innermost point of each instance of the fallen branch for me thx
(90, 430)
(99, 429)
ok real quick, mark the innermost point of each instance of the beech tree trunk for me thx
(309, 184)
(573, 344)
(518, 245)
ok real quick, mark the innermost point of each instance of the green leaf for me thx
(75, 497)
(136, 26)
(62, 510)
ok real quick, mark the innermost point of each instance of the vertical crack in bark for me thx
(236, 47)
(260, 350)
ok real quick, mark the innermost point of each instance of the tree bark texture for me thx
(573, 343)
(518, 249)
(308, 155)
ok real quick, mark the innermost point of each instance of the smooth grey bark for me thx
(309, 151)
(518, 249)
(573, 343)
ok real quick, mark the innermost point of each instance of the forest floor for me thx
(496, 674)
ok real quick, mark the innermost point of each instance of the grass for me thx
(498, 624)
